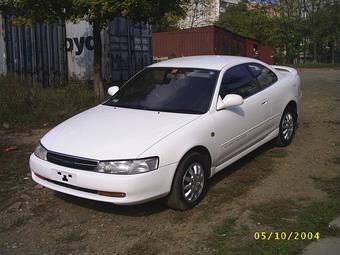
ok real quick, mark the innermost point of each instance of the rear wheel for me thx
(287, 127)
(190, 182)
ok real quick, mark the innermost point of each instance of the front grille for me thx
(71, 161)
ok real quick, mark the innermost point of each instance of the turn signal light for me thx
(111, 194)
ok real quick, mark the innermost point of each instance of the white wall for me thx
(80, 53)
(3, 67)
(79, 45)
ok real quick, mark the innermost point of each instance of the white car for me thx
(169, 129)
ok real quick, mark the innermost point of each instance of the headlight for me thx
(40, 152)
(136, 166)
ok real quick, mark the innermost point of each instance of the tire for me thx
(287, 127)
(193, 167)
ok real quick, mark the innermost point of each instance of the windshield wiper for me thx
(139, 107)
(177, 111)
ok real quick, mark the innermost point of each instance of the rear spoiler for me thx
(285, 69)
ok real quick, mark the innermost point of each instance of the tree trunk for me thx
(314, 53)
(97, 63)
(304, 50)
(333, 51)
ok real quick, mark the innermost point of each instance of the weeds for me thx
(32, 106)
(281, 216)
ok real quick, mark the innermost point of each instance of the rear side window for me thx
(238, 80)
(264, 76)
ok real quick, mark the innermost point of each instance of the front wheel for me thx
(287, 128)
(189, 184)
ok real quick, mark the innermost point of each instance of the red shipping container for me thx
(209, 40)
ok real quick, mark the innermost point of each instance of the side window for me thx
(263, 75)
(238, 80)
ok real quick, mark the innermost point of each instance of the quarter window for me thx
(238, 80)
(263, 75)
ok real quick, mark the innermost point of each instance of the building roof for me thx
(215, 62)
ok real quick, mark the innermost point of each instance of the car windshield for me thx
(180, 90)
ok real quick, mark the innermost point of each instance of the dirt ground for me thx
(35, 220)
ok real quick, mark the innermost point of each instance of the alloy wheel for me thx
(287, 126)
(193, 182)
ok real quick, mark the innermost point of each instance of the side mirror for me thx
(229, 101)
(112, 90)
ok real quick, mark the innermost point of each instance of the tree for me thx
(331, 25)
(198, 12)
(97, 13)
(169, 22)
(247, 22)
(323, 22)
(268, 23)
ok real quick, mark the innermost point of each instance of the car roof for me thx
(215, 62)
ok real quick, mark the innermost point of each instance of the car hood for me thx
(106, 132)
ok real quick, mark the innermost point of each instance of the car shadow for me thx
(158, 206)
(140, 210)
(229, 170)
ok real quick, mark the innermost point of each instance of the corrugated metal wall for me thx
(186, 42)
(36, 53)
(3, 66)
(227, 43)
(130, 48)
(209, 40)
(126, 49)
(52, 54)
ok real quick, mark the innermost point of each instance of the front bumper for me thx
(138, 188)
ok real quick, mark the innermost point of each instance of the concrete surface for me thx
(335, 224)
(326, 246)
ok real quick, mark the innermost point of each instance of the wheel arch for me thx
(292, 105)
(175, 198)
(204, 152)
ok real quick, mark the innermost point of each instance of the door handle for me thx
(264, 102)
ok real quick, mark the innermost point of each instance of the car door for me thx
(238, 128)
(267, 81)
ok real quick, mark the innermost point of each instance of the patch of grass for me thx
(317, 216)
(281, 216)
(276, 214)
(271, 247)
(223, 238)
(234, 181)
(225, 229)
(239, 177)
(331, 186)
(291, 216)
(31, 105)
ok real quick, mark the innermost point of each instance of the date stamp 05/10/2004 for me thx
(286, 236)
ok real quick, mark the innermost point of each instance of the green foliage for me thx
(168, 22)
(94, 11)
(291, 27)
(246, 22)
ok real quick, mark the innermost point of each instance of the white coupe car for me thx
(169, 129)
